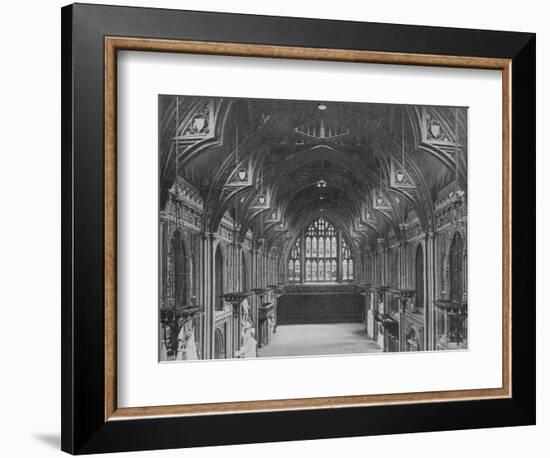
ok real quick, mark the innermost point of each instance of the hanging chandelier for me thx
(242, 173)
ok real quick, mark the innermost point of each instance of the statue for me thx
(380, 339)
(248, 341)
(163, 350)
(187, 347)
(380, 303)
(270, 326)
(412, 305)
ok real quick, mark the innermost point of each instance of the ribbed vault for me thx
(302, 159)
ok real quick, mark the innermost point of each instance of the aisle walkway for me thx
(319, 339)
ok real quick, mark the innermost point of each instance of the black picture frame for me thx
(84, 428)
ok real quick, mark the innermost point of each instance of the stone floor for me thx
(319, 339)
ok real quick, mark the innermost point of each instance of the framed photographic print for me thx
(271, 222)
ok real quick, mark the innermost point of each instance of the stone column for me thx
(268, 268)
(237, 267)
(254, 284)
(381, 252)
(401, 324)
(206, 289)
(405, 277)
(264, 269)
(240, 268)
(386, 265)
(339, 257)
(429, 281)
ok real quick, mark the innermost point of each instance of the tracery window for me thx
(319, 259)
(321, 249)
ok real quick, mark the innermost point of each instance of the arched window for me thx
(320, 244)
(457, 280)
(322, 256)
(419, 276)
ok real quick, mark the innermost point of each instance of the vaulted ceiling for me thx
(274, 165)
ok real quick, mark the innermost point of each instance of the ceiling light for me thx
(322, 106)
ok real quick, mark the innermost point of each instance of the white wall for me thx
(30, 230)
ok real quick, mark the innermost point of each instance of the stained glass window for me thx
(314, 247)
(319, 259)
(323, 252)
(314, 271)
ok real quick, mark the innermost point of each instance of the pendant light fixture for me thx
(176, 180)
(379, 200)
(456, 146)
(242, 172)
(261, 197)
(400, 174)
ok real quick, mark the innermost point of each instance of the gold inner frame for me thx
(114, 44)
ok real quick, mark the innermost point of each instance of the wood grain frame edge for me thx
(114, 44)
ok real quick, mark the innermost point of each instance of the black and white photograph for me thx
(296, 228)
